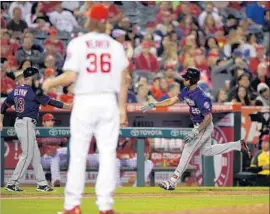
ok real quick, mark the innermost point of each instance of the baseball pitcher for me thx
(97, 64)
(27, 104)
(53, 151)
(201, 117)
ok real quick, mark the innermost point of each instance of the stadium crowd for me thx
(227, 41)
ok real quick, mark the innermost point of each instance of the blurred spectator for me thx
(220, 36)
(186, 8)
(255, 13)
(36, 11)
(151, 30)
(42, 24)
(146, 61)
(261, 76)
(35, 46)
(142, 95)
(234, 42)
(263, 98)
(170, 56)
(241, 96)
(24, 64)
(69, 96)
(23, 5)
(131, 92)
(155, 89)
(221, 96)
(7, 84)
(163, 27)
(243, 81)
(63, 20)
(3, 21)
(255, 61)
(17, 25)
(164, 86)
(210, 44)
(115, 13)
(53, 151)
(6, 67)
(260, 163)
(250, 47)
(237, 72)
(48, 6)
(27, 52)
(153, 49)
(52, 40)
(210, 25)
(174, 90)
(49, 63)
(209, 9)
(120, 36)
(70, 5)
(51, 49)
(171, 76)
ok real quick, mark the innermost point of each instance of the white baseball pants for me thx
(55, 163)
(203, 141)
(96, 115)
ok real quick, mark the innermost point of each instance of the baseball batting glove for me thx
(191, 135)
(148, 107)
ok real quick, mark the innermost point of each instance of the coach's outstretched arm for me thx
(168, 102)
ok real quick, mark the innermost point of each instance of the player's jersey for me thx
(99, 61)
(200, 104)
(26, 102)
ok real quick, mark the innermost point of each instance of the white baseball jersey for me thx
(99, 61)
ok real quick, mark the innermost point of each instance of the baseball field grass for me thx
(184, 200)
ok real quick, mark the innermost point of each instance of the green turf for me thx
(129, 204)
(124, 190)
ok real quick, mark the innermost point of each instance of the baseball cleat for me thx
(244, 148)
(13, 188)
(44, 188)
(75, 210)
(167, 185)
(107, 212)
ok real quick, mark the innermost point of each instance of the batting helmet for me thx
(192, 74)
(30, 71)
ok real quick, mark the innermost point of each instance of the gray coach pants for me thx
(25, 130)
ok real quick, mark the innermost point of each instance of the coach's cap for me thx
(266, 138)
(30, 71)
(98, 12)
(47, 117)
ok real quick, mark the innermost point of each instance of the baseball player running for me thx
(27, 103)
(97, 64)
(200, 136)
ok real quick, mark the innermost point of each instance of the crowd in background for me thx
(227, 41)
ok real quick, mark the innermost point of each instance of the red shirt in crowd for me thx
(7, 84)
(193, 8)
(147, 64)
(253, 64)
(58, 44)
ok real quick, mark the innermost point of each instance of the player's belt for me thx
(31, 119)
